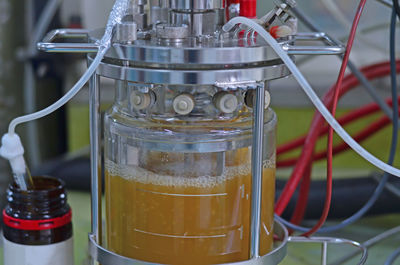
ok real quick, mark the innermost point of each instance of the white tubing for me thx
(119, 10)
(311, 94)
(12, 148)
(62, 101)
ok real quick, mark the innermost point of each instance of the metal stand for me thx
(106, 257)
(325, 241)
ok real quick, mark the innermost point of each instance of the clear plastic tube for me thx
(119, 10)
(311, 94)
(19, 169)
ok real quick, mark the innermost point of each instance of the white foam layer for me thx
(141, 175)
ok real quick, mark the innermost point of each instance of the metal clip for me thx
(48, 44)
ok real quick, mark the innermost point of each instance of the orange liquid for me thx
(180, 220)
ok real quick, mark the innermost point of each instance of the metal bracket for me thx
(331, 49)
(48, 44)
(331, 240)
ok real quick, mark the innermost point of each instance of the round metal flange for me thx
(106, 257)
(192, 77)
(225, 52)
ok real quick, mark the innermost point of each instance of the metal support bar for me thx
(48, 45)
(257, 169)
(331, 240)
(333, 48)
(324, 256)
(95, 155)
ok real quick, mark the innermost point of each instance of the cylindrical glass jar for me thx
(178, 188)
(37, 225)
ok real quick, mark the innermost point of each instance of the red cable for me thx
(371, 72)
(347, 118)
(344, 120)
(361, 136)
(301, 205)
(343, 68)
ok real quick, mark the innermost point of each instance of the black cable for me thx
(396, 7)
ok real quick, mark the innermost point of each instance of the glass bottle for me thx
(37, 224)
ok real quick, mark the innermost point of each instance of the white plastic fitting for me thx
(183, 104)
(267, 99)
(12, 150)
(226, 102)
(140, 101)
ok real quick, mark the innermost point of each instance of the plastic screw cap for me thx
(183, 104)
(139, 100)
(226, 102)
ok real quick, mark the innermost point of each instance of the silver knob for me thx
(126, 32)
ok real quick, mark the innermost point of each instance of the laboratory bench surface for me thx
(298, 254)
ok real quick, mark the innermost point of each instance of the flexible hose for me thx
(378, 191)
(364, 134)
(393, 257)
(311, 94)
(338, 85)
(364, 81)
(374, 71)
(119, 10)
(344, 120)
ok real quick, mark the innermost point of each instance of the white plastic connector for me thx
(284, 31)
(183, 104)
(226, 102)
(140, 101)
(12, 150)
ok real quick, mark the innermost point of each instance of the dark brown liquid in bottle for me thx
(47, 200)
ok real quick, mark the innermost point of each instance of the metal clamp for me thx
(330, 240)
(48, 44)
(331, 49)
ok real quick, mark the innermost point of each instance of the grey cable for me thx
(393, 257)
(379, 189)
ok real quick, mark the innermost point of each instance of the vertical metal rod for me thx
(95, 156)
(324, 255)
(256, 169)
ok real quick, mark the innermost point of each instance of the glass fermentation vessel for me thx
(178, 186)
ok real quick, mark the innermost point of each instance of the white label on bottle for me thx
(59, 253)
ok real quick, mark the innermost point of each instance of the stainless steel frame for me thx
(325, 241)
(95, 157)
(145, 51)
(146, 62)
